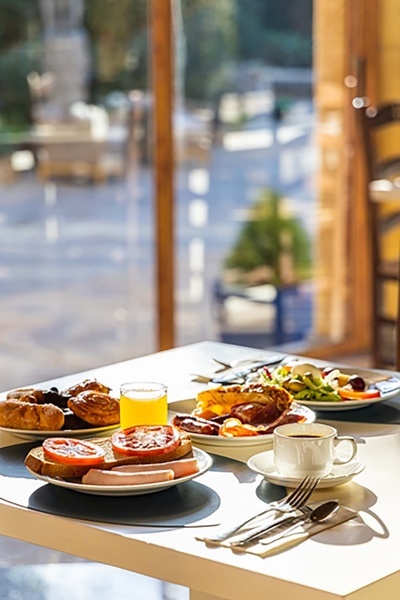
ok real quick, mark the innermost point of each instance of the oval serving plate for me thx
(186, 406)
(35, 434)
(204, 459)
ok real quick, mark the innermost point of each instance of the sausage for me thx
(196, 424)
(181, 468)
(110, 478)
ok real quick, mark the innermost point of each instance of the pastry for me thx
(95, 408)
(88, 384)
(26, 415)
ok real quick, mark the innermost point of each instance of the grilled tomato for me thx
(146, 440)
(72, 451)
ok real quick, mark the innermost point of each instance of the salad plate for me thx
(263, 464)
(320, 391)
(204, 460)
(186, 406)
(387, 387)
(35, 434)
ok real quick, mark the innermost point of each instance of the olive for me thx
(357, 383)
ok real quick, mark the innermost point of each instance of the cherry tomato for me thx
(146, 440)
(346, 394)
(72, 451)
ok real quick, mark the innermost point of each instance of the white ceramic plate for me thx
(204, 459)
(186, 406)
(388, 386)
(34, 434)
(263, 464)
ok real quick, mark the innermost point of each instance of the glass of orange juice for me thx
(143, 403)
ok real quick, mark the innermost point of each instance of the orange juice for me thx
(143, 403)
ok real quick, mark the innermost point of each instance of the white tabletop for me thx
(354, 560)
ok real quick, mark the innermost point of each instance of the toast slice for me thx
(36, 461)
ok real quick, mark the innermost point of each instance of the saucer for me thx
(263, 463)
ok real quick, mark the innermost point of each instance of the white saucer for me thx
(263, 464)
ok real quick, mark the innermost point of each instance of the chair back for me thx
(380, 134)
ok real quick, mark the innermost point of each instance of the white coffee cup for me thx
(309, 449)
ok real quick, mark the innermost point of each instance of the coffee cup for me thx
(302, 449)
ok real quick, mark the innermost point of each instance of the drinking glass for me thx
(143, 403)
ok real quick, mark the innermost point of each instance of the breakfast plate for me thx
(186, 406)
(263, 464)
(204, 460)
(35, 434)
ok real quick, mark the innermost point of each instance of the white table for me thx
(361, 562)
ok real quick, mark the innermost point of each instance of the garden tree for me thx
(19, 55)
(273, 239)
(210, 30)
(217, 36)
(277, 35)
(118, 30)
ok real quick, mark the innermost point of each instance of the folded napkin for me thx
(269, 545)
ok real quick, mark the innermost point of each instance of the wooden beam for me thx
(161, 49)
(361, 20)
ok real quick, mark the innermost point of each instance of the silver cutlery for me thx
(320, 514)
(238, 375)
(234, 364)
(256, 532)
(293, 501)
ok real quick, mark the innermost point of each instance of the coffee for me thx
(302, 449)
(305, 436)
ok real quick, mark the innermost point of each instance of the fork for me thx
(293, 501)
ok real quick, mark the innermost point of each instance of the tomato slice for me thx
(71, 451)
(146, 440)
(353, 395)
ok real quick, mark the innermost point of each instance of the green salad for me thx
(306, 382)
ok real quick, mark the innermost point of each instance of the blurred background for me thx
(76, 175)
(269, 238)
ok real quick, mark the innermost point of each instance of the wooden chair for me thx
(380, 129)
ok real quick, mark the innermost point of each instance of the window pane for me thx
(76, 222)
(246, 165)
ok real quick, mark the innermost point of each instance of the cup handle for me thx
(353, 443)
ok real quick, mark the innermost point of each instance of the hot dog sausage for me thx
(99, 477)
(181, 468)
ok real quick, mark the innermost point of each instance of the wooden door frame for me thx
(162, 72)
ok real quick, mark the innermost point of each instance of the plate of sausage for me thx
(228, 431)
(204, 462)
